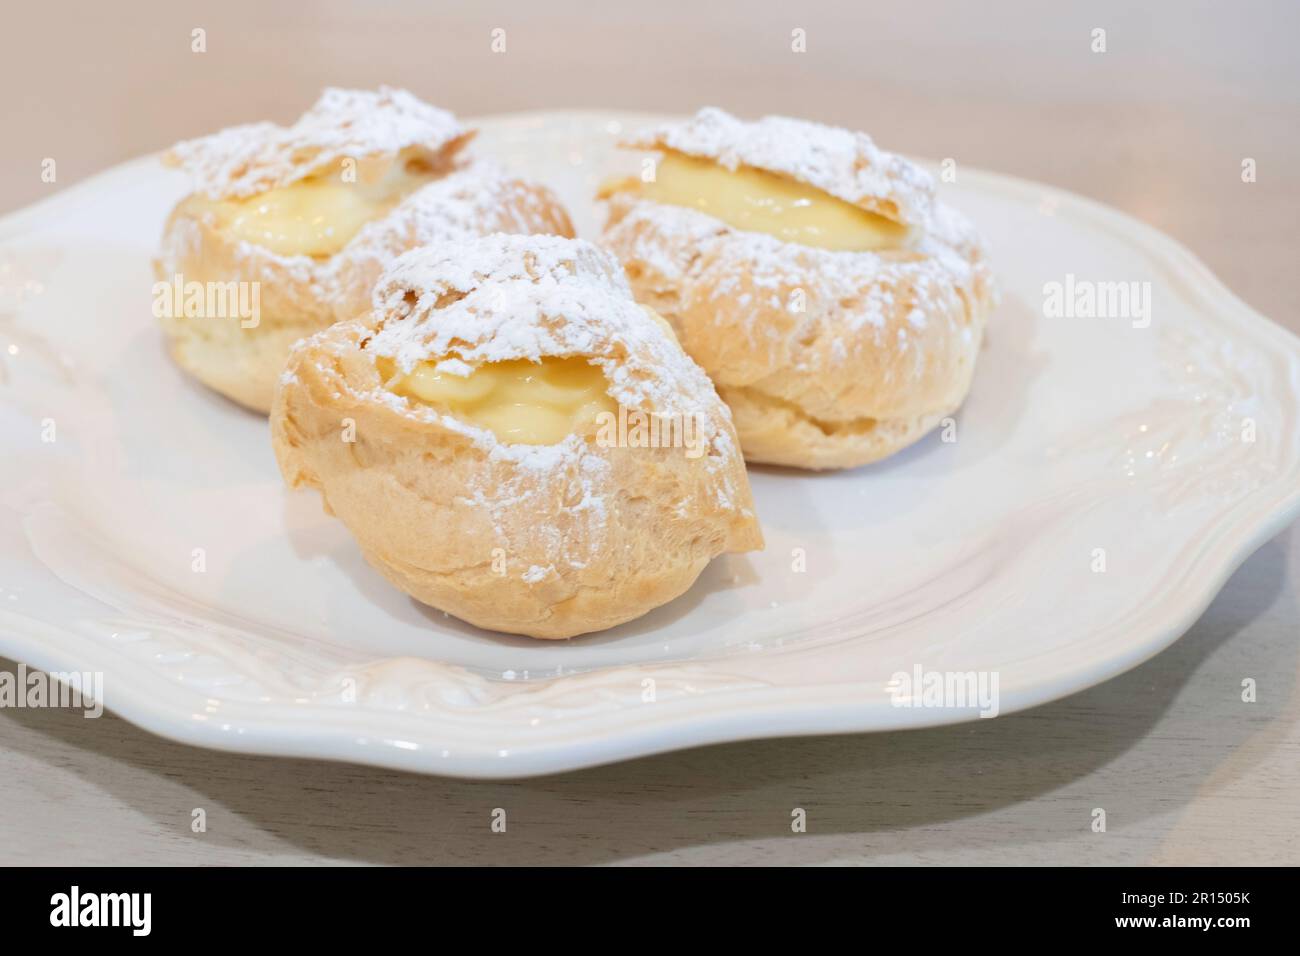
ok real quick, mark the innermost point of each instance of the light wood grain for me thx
(1158, 126)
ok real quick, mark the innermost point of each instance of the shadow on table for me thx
(894, 793)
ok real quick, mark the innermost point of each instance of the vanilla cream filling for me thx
(759, 201)
(319, 215)
(521, 402)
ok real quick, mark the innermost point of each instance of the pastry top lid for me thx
(503, 297)
(843, 163)
(251, 159)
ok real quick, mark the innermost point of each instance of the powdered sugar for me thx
(458, 205)
(537, 573)
(503, 297)
(846, 164)
(343, 124)
(761, 262)
(506, 297)
(850, 302)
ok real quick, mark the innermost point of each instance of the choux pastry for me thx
(837, 306)
(512, 439)
(288, 227)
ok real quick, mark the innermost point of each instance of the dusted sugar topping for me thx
(343, 124)
(863, 295)
(477, 197)
(571, 517)
(947, 255)
(768, 263)
(845, 164)
(481, 196)
(854, 300)
(504, 297)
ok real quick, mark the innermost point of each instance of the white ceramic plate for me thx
(976, 555)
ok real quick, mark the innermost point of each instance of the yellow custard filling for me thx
(319, 215)
(521, 402)
(758, 201)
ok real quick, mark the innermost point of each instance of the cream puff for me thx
(837, 306)
(512, 439)
(288, 227)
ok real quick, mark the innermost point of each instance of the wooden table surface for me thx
(1158, 125)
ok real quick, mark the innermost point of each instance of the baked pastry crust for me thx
(544, 540)
(827, 359)
(301, 294)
